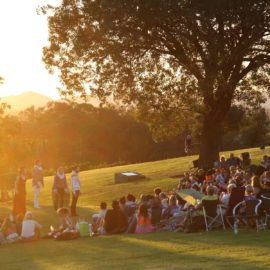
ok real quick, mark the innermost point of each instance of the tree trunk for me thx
(210, 142)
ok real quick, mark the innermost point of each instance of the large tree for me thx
(164, 56)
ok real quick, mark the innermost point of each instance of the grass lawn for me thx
(215, 250)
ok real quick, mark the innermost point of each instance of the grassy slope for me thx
(219, 250)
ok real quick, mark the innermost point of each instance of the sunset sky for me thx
(23, 34)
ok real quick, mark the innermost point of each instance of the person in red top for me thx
(19, 203)
(60, 187)
(143, 221)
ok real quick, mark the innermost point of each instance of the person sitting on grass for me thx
(8, 229)
(156, 211)
(249, 196)
(222, 163)
(225, 198)
(100, 215)
(131, 206)
(98, 219)
(143, 199)
(255, 182)
(143, 221)
(247, 178)
(265, 182)
(66, 230)
(115, 220)
(219, 179)
(200, 176)
(157, 191)
(265, 162)
(30, 228)
(174, 207)
(65, 219)
(183, 180)
(249, 193)
(131, 201)
(165, 214)
(211, 196)
(233, 161)
(122, 205)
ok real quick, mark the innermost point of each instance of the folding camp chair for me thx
(266, 207)
(212, 214)
(237, 196)
(251, 212)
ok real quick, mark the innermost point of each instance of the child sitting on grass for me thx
(30, 228)
(98, 219)
(66, 229)
(143, 221)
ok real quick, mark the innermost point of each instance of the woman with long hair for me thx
(143, 221)
(19, 203)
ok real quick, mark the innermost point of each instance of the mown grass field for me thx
(215, 250)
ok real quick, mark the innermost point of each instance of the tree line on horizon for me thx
(72, 134)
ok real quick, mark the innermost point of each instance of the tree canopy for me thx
(169, 57)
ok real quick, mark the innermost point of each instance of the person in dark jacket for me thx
(60, 187)
(115, 220)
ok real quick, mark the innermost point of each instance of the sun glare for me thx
(23, 34)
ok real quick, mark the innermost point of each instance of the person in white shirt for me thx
(30, 228)
(37, 181)
(225, 197)
(98, 219)
(76, 189)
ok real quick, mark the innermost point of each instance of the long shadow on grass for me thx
(156, 251)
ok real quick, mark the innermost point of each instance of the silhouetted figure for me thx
(188, 142)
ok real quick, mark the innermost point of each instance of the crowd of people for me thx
(228, 182)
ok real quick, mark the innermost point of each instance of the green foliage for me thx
(165, 57)
(246, 128)
(73, 134)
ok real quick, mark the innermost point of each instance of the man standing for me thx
(37, 181)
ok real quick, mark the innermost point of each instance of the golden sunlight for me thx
(23, 34)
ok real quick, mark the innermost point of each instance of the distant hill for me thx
(26, 100)
(29, 99)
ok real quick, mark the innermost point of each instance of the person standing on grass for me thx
(37, 181)
(75, 188)
(19, 203)
(60, 188)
